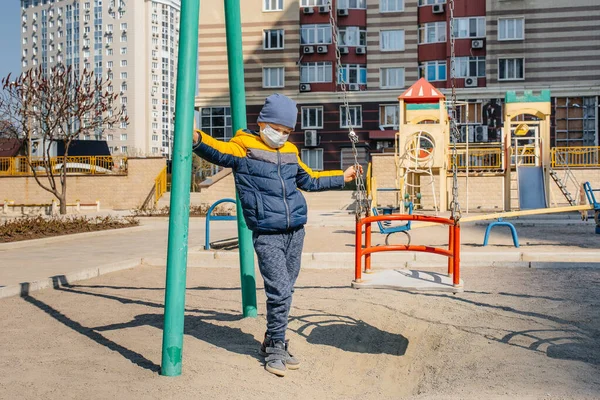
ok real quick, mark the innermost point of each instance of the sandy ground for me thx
(514, 333)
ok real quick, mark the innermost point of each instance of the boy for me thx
(268, 173)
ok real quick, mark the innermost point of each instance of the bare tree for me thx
(60, 105)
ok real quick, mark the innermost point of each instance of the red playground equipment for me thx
(391, 278)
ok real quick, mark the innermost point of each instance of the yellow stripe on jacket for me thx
(318, 174)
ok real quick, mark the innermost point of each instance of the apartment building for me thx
(385, 46)
(133, 44)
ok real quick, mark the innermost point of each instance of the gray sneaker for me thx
(291, 362)
(276, 358)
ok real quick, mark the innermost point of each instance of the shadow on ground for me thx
(319, 327)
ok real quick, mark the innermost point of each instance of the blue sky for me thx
(10, 38)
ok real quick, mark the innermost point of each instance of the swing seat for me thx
(386, 229)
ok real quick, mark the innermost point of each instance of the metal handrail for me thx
(478, 158)
(75, 165)
(160, 185)
(576, 156)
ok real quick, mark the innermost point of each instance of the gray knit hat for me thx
(279, 109)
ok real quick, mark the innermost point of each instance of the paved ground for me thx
(327, 232)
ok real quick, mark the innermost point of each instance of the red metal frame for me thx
(453, 251)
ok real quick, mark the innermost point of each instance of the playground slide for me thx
(532, 193)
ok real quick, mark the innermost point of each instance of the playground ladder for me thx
(568, 177)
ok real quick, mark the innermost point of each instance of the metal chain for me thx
(362, 203)
(454, 131)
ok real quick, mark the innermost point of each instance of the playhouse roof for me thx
(421, 92)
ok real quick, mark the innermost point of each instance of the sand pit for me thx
(513, 333)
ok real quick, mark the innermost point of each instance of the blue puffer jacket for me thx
(267, 180)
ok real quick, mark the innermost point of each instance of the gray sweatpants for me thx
(279, 263)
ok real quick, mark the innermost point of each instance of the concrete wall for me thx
(113, 192)
(485, 191)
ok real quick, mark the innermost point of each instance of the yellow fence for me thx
(588, 156)
(477, 158)
(77, 165)
(526, 155)
(160, 185)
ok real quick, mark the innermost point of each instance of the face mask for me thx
(272, 137)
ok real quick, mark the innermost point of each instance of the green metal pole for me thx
(237, 94)
(172, 345)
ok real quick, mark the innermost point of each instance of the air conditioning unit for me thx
(470, 81)
(354, 86)
(324, 9)
(310, 138)
(343, 12)
(466, 133)
(308, 10)
(481, 134)
(361, 50)
(305, 87)
(308, 49)
(322, 49)
(437, 8)
(477, 44)
(344, 50)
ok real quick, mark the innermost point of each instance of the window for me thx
(123, 100)
(272, 5)
(511, 69)
(316, 72)
(352, 36)
(109, 52)
(123, 26)
(123, 38)
(433, 71)
(313, 158)
(511, 29)
(353, 73)
(355, 4)
(123, 125)
(354, 114)
(389, 115)
(273, 77)
(123, 51)
(391, 5)
(216, 121)
(109, 64)
(312, 3)
(123, 75)
(155, 138)
(429, 2)
(315, 34)
(123, 136)
(473, 27)
(273, 39)
(123, 63)
(110, 137)
(391, 40)
(470, 67)
(312, 117)
(123, 149)
(391, 78)
(433, 32)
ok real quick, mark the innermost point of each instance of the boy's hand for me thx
(195, 135)
(350, 173)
